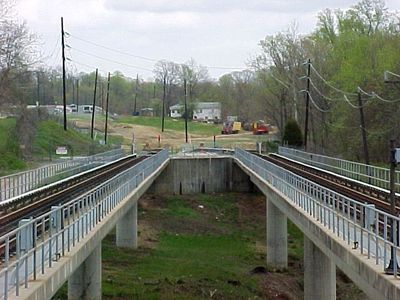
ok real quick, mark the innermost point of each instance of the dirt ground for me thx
(170, 138)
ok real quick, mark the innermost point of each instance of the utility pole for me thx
(73, 90)
(107, 98)
(136, 92)
(102, 98)
(163, 107)
(363, 130)
(63, 69)
(77, 95)
(38, 88)
(186, 112)
(307, 103)
(393, 266)
(281, 115)
(154, 91)
(94, 105)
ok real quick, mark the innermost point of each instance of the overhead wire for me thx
(393, 74)
(111, 60)
(286, 85)
(315, 104)
(353, 105)
(144, 57)
(385, 100)
(322, 95)
(114, 50)
(330, 85)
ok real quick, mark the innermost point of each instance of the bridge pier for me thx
(127, 229)
(276, 237)
(85, 282)
(319, 273)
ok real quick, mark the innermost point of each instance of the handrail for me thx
(19, 183)
(353, 221)
(373, 175)
(44, 239)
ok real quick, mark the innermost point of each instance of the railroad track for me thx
(39, 201)
(350, 188)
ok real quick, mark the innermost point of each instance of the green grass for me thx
(10, 159)
(182, 267)
(194, 255)
(50, 134)
(173, 124)
(189, 261)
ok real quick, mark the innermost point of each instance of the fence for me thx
(369, 174)
(357, 223)
(44, 239)
(22, 182)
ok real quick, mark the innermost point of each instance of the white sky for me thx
(222, 33)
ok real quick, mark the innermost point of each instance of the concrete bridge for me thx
(330, 223)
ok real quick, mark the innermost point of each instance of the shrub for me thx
(292, 134)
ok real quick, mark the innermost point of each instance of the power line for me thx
(385, 100)
(114, 50)
(330, 85)
(322, 95)
(372, 95)
(352, 105)
(315, 104)
(111, 60)
(144, 57)
(286, 85)
(375, 95)
(393, 74)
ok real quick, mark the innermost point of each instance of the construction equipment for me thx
(260, 127)
(231, 127)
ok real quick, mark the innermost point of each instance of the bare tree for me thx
(167, 74)
(17, 53)
(194, 74)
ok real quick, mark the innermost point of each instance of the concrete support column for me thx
(276, 237)
(85, 282)
(127, 229)
(319, 273)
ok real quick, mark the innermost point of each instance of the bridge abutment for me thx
(319, 273)
(85, 282)
(126, 229)
(276, 237)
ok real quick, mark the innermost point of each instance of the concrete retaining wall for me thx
(201, 175)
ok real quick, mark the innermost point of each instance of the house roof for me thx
(176, 106)
(205, 105)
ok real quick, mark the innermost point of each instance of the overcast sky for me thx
(216, 33)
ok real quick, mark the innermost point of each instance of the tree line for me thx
(348, 52)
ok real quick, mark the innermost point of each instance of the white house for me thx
(207, 111)
(176, 111)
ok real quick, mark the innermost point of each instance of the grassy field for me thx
(188, 252)
(173, 124)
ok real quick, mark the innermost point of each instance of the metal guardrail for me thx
(366, 173)
(359, 224)
(22, 182)
(44, 239)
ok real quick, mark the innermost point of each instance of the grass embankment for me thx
(50, 134)
(173, 124)
(10, 159)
